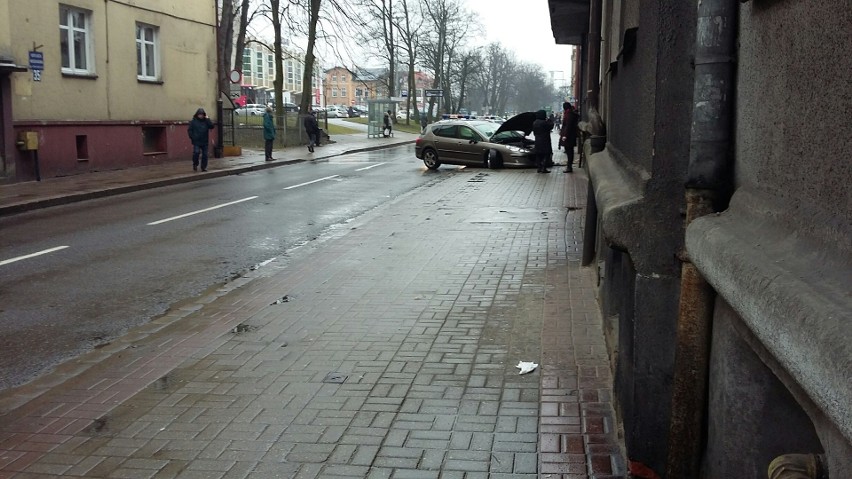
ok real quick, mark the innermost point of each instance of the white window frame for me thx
(68, 31)
(258, 65)
(155, 44)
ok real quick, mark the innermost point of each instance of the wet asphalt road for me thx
(128, 258)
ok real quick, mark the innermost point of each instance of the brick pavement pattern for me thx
(393, 356)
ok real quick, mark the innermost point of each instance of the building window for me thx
(343, 91)
(147, 52)
(259, 64)
(334, 78)
(75, 40)
(270, 61)
(358, 92)
(334, 92)
(246, 62)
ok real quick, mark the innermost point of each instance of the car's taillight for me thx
(417, 141)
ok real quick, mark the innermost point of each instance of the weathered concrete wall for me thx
(753, 418)
(781, 254)
(638, 182)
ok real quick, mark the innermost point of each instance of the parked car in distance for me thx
(404, 115)
(477, 143)
(336, 112)
(252, 109)
(291, 107)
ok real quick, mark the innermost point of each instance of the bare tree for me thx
(409, 25)
(242, 26)
(447, 24)
(469, 63)
(225, 42)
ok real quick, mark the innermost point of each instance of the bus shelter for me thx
(376, 110)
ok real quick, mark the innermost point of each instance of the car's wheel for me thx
(495, 161)
(430, 159)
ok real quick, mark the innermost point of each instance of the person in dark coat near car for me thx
(543, 148)
(313, 131)
(568, 133)
(199, 134)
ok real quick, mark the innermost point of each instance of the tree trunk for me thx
(278, 83)
(225, 43)
(241, 36)
(307, 74)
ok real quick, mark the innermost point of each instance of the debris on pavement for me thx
(284, 299)
(526, 366)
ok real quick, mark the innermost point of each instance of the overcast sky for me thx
(524, 27)
(521, 26)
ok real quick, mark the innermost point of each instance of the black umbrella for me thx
(520, 122)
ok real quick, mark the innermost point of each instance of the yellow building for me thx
(120, 80)
(344, 88)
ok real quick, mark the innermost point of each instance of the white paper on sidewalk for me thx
(526, 366)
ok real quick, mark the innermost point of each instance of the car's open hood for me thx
(520, 122)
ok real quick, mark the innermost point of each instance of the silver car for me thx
(477, 143)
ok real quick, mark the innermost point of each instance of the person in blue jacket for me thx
(268, 132)
(199, 133)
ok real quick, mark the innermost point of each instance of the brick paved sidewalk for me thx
(393, 356)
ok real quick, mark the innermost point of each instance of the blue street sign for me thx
(36, 61)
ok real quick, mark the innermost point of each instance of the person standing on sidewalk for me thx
(268, 132)
(543, 149)
(199, 134)
(312, 130)
(387, 130)
(568, 133)
(423, 122)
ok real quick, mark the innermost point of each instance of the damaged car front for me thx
(477, 143)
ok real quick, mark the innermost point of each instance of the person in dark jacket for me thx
(568, 133)
(199, 134)
(268, 132)
(543, 148)
(313, 131)
(424, 121)
(387, 128)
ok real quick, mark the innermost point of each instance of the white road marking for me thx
(33, 255)
(371, 166)
(311, 182)
(201, 211)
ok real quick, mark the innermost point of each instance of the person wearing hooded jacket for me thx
(199, 133)
(542, 146)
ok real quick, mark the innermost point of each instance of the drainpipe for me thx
(218, 148)
(708, 184)
(594, 72)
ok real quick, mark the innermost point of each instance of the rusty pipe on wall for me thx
(708, 187)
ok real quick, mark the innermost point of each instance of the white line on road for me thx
(33, 255)
(371, 166)
(311, 182)
(201, 211)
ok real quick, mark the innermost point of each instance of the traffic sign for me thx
(36, 61)
(434, 93)
(36, 64)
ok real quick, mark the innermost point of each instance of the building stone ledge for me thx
(791, 290)
(618, 195)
